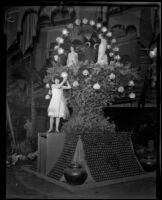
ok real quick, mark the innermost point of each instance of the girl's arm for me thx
(68, 86)
(67, 60)
(77, 56)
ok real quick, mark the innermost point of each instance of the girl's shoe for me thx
(57, 131)
(49, 131)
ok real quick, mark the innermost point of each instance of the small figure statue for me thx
(102, 57)
(58, 107)
(28, 127)
(72, 57)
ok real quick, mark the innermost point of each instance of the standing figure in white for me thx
(102, 57)
(72, 57)
(58, 106)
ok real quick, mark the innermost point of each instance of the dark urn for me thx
(75, 174)
(148, 163)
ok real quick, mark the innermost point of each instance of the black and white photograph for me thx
(83, 100)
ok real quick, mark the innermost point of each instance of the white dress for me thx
(72, 59)
(102, 57)
(58, 106)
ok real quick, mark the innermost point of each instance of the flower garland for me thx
(98, 28)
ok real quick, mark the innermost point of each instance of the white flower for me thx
(111, 54)
(109, 34)
(92, 23)
(117, 57)
(121, 89)
(153, 84)
(131, 83)
(60, 51)
(56, 47)
(117, 64)
(116, 49)
(132, 95)
(153, 52)
(112, 76)
(65, 32)
(109, 46)
(56, 57)
(75, 84)
(47, 85)
(77, 22)
(47, 96)
(64, 75)
(98, 25)
(85, 72)
(60, 40)
(70, 26)
(96, 86)
(85, 21)
(113, 40)
(57, 39)
(112, 62)
(104, 29)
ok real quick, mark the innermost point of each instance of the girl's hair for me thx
(72, 46)
(57, 77)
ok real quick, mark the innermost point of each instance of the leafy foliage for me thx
(87, 100)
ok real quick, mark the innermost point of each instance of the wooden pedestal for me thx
(50, 146)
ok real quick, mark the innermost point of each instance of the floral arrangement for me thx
(94, 86)
(14, 158)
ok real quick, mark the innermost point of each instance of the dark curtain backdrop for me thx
(146, 26)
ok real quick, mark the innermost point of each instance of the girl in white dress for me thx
(72, 57)
(58, 107)
(102, 57)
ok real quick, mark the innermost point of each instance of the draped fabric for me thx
(41, 51)
(29, 31)
(146, 26)
(22, 11)
(10, 29)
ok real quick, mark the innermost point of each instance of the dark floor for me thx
(23, 185)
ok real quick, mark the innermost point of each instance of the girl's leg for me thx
(51, 124)
(57, 123)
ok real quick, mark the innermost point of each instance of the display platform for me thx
(50, 146)
(75, 188)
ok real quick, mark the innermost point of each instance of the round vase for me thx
(75, 174)
(149, 164)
